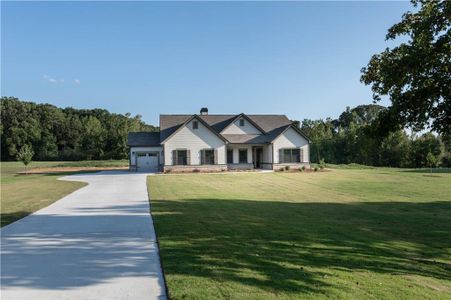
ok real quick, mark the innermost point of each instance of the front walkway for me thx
(96, 243)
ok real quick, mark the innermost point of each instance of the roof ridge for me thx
(225, 114)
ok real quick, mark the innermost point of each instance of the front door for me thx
(258, 157)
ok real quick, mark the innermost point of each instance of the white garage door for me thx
(147, 161)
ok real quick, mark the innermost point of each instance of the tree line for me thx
(353, 138)
(55, 133)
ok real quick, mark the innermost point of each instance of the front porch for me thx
(246, 156)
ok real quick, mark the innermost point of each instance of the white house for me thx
(219, 142)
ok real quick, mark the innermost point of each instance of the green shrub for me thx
(315, 169)
(281, 169)
(322, 163)
(287, 168)
(303, 168)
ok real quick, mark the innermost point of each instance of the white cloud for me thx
(77, 81)
(52, 80)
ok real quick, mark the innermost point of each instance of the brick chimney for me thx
(204, 111)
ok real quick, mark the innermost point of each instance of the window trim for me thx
(294, 158)
(239, 155)
(177, 157)
(203, 156)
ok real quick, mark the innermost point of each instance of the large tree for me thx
(416, 74)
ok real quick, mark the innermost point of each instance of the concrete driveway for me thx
(96, 243)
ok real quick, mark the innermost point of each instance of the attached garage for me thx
(146, 154)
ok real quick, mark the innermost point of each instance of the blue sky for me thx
(302, 59)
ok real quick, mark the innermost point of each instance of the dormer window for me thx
(241, 122)
(195, 124)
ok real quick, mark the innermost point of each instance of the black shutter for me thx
(174, 157)
(281, 156)
(202, 157)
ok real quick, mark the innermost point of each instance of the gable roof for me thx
(283, 130)
(143, 139)
(247, 118)
(174, 129)
(267, 123)
(270, 125)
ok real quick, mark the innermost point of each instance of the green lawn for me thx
(24, 194)
(368, 233)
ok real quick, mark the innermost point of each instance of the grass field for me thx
(357, 234)
(24, 194)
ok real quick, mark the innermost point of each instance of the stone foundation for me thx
(194, 169)
(240, 166)
(276, 167)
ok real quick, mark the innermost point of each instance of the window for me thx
(292, 155)
(141, 154)
(195, 124)
(207, 157)
(230, 156)
(181, 157)
(241, 122)
(243, 156)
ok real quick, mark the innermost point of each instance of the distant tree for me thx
(431, 160)
(415, 75)
(360, 115)
(394, 150)
(93, 138)
(421, 146)
(66, 134)
(25, 155)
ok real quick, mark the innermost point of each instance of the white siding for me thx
(194, 140)
(133, 150)
(236, 148)
(291, 139)
(235, 128)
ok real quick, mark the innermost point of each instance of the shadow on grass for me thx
(7, 218)
(428, 170)
(292, 247)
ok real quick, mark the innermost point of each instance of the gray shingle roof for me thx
(273, 125)
(143, 139)
(269, 123)
(246, 138)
